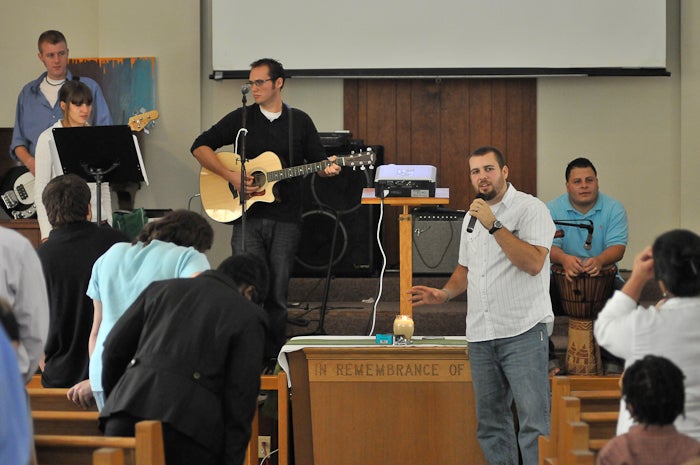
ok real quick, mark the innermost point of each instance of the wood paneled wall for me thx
(439, 122)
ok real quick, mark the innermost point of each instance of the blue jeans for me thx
(504, 370)
(276, 243)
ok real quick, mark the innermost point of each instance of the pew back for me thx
(146, 448)
(54, 414)
(53, 399)
(584, 412)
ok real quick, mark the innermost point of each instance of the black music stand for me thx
(100, 154)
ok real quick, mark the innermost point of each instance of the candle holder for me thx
(403, 330)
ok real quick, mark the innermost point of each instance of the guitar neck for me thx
(301, 170)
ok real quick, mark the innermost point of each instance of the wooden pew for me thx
(83, 423)
(146, 448)
(54, 413)
(277, 383)
(35, 382)
(584, 413)
(108, 456)
(53, 399)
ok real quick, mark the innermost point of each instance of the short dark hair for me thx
(51, 36)
(66, 199)
(276, 70)
(677, 261)
(181, 227)
(653, 389)
(485, 150)
(579, 162)
(247, 269)
(75, 92)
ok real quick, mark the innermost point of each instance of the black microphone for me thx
(589, 238)
(245, 89)
(472, 220)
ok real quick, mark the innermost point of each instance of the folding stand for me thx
(100, 154)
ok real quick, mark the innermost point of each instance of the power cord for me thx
(373, 317)
(267, 456)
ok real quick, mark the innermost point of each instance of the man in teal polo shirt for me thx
(608, 241)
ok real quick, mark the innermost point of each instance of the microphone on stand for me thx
(244, 91)
(578, 224)
(472, 220)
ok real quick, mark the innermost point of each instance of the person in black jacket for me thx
(188, 353)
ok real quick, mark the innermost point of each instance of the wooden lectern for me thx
(356, 402)
(442, 197)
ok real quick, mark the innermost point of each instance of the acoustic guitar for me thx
(220, 200)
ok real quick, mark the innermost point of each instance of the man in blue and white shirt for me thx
(37, 105)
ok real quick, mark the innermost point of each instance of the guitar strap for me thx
(291, 137)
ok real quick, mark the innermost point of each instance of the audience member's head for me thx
(250, 275)
(677, 262)
(653, 390)
(9, 322)
(181, 227)
(67, 200)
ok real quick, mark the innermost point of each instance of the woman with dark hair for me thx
(653, 391)
(671, 328)
(75, 99)
(171, 247)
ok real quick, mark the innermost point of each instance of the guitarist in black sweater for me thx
(273, 227)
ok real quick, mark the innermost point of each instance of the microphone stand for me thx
(588, 226)
(99, 174)
(241, 154)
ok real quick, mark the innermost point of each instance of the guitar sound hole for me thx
(258, 179)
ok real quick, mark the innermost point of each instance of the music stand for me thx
(100, 154)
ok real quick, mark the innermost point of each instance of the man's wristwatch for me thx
(496, 226)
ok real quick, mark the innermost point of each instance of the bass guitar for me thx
(220, 200)
(17, 193)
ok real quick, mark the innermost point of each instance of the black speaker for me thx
(331, 203)
(436, 236)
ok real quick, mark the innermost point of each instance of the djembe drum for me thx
(581, 300)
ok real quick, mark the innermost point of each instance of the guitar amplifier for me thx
(436, 237)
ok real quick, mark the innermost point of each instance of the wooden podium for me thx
(442, 197)
(378, 404)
